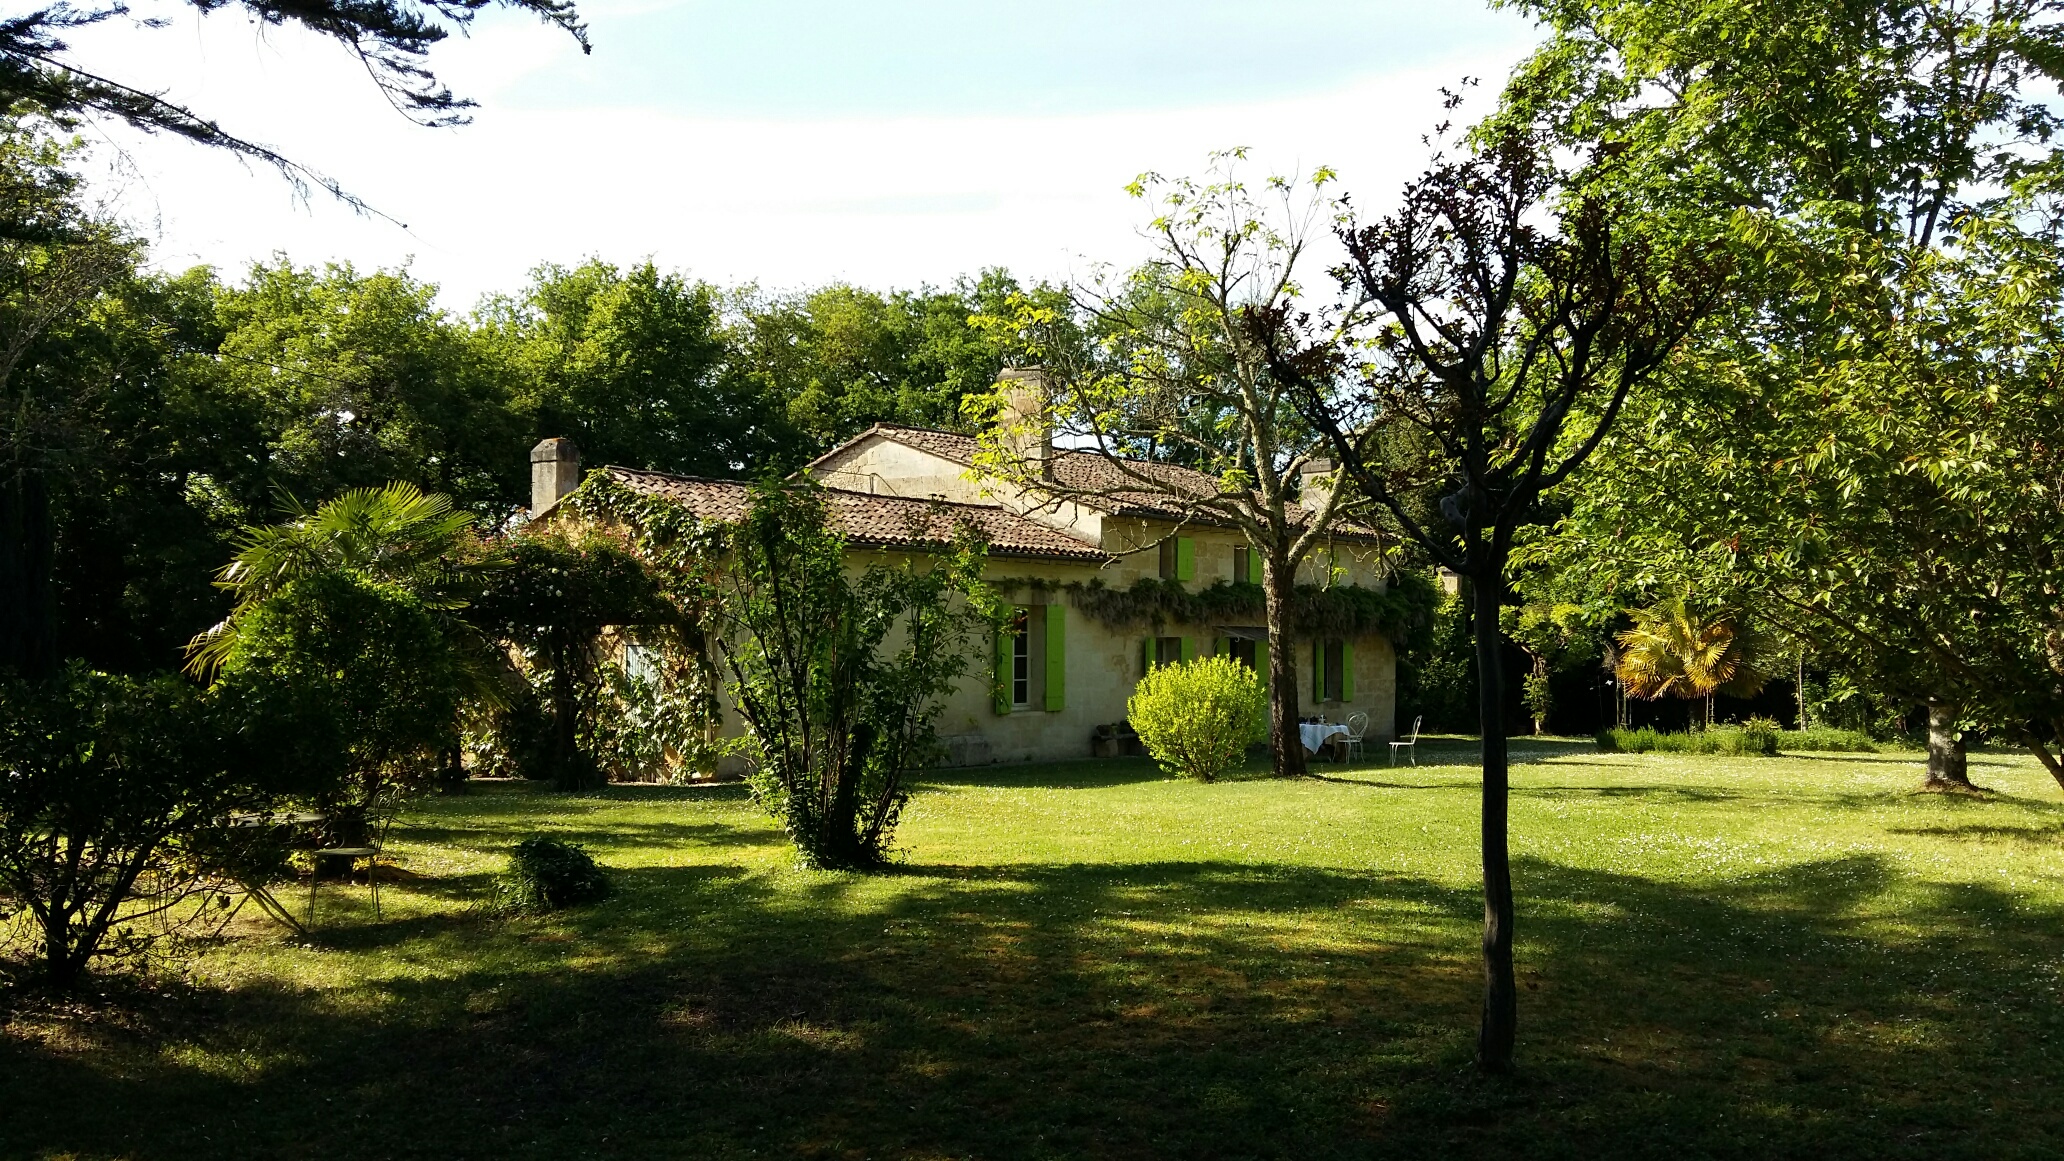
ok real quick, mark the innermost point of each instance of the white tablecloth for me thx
(1316, 736)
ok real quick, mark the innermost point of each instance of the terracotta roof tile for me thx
(883, 521)
(1080, 471)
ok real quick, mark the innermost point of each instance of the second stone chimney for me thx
(1023, 420)
(1315, 484)
(554, 471)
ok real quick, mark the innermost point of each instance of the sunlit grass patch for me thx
(1717, 957)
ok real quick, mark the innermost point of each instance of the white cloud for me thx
(786, 202)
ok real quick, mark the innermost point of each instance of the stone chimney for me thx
(554, 471)
(1315, 484)
(1025, 429)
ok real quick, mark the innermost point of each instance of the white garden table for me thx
(1316, 736)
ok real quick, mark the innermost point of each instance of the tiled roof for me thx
(875, 521)
(1092, 473)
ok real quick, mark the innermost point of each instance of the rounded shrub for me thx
(1197, 718)
(546, 874)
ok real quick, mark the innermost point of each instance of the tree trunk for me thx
(1495, 1037)
(1286, 746)
(1949, 767)
(28, 614)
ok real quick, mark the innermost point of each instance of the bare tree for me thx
(1503, 313)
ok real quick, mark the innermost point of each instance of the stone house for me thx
(1064, 667)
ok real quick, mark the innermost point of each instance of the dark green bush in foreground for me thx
(545, 874)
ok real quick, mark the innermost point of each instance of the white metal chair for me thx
(1411, 743)
(1351, 741)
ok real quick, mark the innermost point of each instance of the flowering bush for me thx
(1198, 718)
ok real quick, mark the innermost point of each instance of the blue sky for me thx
(786, 142)
(813, 58)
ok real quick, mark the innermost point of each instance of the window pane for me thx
(1021, 666)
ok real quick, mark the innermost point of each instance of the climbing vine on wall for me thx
(1403, 612)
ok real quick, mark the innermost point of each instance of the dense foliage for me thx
(1735, 741)
(1866, 449)
(113, 796)
(546, 874)
(1197, 718)
(556, 595)
(840, 677)
(1402, 610)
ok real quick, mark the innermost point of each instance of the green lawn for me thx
(1719, 957)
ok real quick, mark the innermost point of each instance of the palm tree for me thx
(395, 533)
(1674, 650)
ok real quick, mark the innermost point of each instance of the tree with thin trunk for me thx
(1158, 369)
(1506, 315)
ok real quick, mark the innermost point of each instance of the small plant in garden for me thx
(546, 874)
(1728, 741)
(1198, 718)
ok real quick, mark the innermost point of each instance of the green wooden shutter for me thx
(1189, 649)
(1185, 558)
(1146, 653)
(1003, 669)
(1056, 658)
(1346, 670)
(1221, 646)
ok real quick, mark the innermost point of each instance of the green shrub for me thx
(1198, 718)
(545, 874)
(1827, 739)
(1731, 741)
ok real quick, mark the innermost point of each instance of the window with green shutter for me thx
(1056, 658)
(1243, 565)
(1185, 558)
(1331, 676)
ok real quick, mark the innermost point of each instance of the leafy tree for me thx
(1549, 633)
(1504, 312)
(629, 363)
(393, 40)
(1852, 446)
(348, 617)
(1677, 650)
(363, 666)
(110, 791)
(840, 676)
(1171, 372)
(61, 258)
(356, 379)
(840, 358)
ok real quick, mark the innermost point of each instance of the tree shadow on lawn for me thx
(601, 835)
(1180, 1010)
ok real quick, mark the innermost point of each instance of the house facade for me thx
(1072, 654)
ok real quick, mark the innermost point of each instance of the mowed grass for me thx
(1747, 957)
